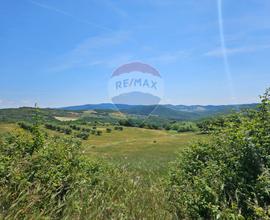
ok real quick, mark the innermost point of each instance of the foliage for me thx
(50, 179)
(27, 114)
(37, 176)
(108, 130)
(118, 128)
(211, 125)
(26, 126)
(83, 135)
(61, 129)
(98, 132)
(75, 127)
(183, 127)
(228, 177)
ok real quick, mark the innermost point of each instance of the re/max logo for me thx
(128, 83)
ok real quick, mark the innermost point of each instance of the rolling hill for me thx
(177, 112)
(105, 112)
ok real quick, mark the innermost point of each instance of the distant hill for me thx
(107, 112)
(102, 106)
(28, 114)
(178, 112)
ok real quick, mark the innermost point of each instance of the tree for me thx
(229, 176)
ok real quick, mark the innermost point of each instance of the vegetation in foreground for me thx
(51, 179)
(228, 178)
(224, 178)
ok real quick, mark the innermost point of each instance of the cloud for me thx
(169, 57)
(15, 103)
(4, 103)
(98, 42)
(218, 52)
(68, 14)
(87, 52)
(115, 8)
(118, 60)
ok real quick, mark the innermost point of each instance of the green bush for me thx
(83, 135)
(61, 129)
(228, 177)
(50, 179)
(183, 127)
(118, 128)
(75, 127)
(86, 129)
(99, 133)
(26, 126)
(37, 177)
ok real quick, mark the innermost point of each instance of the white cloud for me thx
(118, 60)
(218, 52)
(4, 103)
(169, 57)
(115, 8)
(15, 103)
(68, 14)
(86, 52)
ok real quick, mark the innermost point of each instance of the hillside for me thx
(177, 112)
(108, 112)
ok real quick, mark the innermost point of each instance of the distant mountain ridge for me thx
(188, 108)
(178, 112)
(104, 112)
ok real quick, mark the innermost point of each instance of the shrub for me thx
(26, 126)
(99, 133)
(183, 127)
(228, 177)
(119, 128)
(209, 126)
(75, 127)
(83, 135)
(86, 129)
(61, 129)
(51, 180)
(43, 174)
(108, 130)
(67, 131)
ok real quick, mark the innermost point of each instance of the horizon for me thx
(110, 103)
(64, 53)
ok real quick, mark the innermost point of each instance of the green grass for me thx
(143, 150)
(7, 127)
(136, 190)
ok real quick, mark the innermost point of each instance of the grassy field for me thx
(7, 127)
(144, 156)
(141, 150)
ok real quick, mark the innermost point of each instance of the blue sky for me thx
(60, 53)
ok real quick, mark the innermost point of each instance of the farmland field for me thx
(142, 150)
(100, 167)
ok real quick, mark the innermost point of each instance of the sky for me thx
(63, 52)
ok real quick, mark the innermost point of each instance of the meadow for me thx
(145, 151)
(217, 168)
(140, 161)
